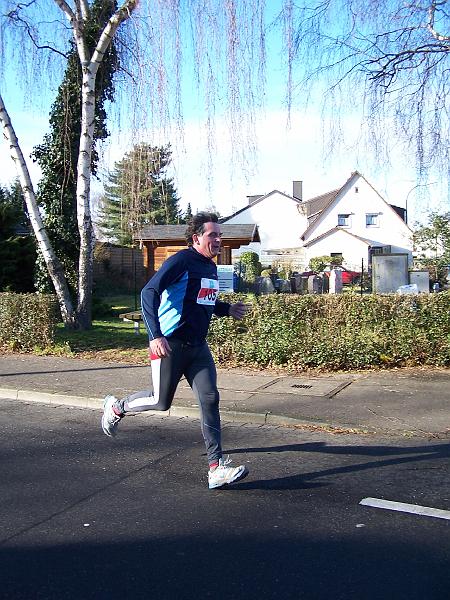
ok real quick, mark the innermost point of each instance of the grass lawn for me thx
(110, 338)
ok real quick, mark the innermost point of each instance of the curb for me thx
(175, 411)
(47, 398)
(227, 416)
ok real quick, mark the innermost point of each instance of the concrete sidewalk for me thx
(401, 402)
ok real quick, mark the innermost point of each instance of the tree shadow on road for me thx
(398, 456)
(439, 450)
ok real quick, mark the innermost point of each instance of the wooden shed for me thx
(158, 242)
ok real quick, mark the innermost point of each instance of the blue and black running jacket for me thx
(180, 299)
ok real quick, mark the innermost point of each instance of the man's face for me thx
(208, 242)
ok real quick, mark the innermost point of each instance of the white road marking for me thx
(415, 509)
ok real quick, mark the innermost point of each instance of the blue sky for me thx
(284, 152)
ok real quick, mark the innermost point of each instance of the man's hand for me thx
(160, 347)
(239, 310)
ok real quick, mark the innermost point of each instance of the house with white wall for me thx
(353, 221)
(280, 219)
(356, 222)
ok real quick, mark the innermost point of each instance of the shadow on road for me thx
(438, 450)
(249, 567)
(413, 454)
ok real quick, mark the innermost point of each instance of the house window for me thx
(381, 249)
(336, 258)
(344, 220)
(372, 220)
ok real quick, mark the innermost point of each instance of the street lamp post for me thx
(411, 190)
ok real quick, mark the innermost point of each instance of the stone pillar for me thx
(314, 284)
(335, 282)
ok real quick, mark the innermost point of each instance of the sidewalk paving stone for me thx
(401, 401)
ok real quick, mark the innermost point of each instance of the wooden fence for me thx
(119, 268)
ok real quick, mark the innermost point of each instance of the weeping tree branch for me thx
(394, 56)
(431, 17)
(16, 18)
(224, 44)
(389, 65)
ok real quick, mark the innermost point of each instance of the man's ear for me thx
(195, 239)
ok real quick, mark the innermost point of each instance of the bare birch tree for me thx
(226, 52)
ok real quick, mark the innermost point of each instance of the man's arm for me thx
(221, 309)
(238, 310)
(169, 272)
(160, 348)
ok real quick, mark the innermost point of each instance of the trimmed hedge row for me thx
(27, 320)
(336, 332)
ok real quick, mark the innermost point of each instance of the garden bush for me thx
(336, 332)
(27, 321)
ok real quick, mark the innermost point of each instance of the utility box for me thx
(421, 279)
(389, 272)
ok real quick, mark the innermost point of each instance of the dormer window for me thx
(344, 220)
(372, 220)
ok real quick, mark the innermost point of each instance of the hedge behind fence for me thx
(27, 320)
(336, 332)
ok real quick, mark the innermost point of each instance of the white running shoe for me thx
(223, 474)
(109, 419)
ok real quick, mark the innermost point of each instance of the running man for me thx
(177, 305)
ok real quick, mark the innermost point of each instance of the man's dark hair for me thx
(197, 224)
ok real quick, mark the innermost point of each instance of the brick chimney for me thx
(253, 199)
(297, 190)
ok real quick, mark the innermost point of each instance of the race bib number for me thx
(209, 289)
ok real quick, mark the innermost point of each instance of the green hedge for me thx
(336, 332)
(27, 321)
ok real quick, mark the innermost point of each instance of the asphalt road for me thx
(85, 517)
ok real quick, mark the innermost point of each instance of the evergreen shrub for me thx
(27, 321)
(336, 332)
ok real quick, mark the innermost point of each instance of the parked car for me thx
(348, 277)
(307, 273)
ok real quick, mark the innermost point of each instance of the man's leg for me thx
(166, 374)
(202, 377)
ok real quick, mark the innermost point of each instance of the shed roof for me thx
(259, 198)
(177, 232)
(333, 230)
(314, 206)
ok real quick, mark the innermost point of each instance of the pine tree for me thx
(58, 153)
(188, 213)
(139, 193)
(17, 249)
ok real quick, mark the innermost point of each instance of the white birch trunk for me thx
(53, 265)
(85, 228)
(89, 67)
